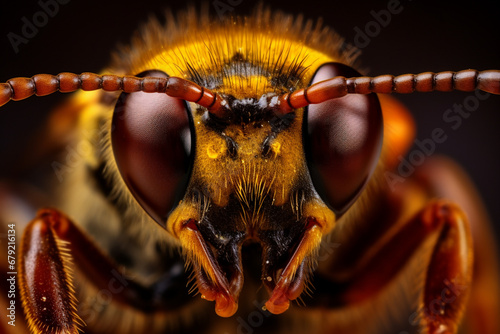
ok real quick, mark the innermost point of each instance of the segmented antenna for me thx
(44, 84)
(467, 80)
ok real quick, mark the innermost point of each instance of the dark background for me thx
(425, 36)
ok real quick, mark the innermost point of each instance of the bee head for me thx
(253, 170)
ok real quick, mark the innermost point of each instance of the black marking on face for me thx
(266, 145)
(232, 147)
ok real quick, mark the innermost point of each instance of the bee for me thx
(238, 164)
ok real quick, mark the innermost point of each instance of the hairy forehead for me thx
(256, 61)
(243, 57)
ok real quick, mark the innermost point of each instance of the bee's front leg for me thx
(440, 225)
(449, 273)
(45, 276)
(48, 246)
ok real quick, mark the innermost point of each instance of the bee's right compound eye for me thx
(153, 142)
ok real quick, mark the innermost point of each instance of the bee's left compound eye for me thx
(153, 142)
(343, 140)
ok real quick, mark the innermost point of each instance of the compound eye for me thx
(153, 141)
(343, 139)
